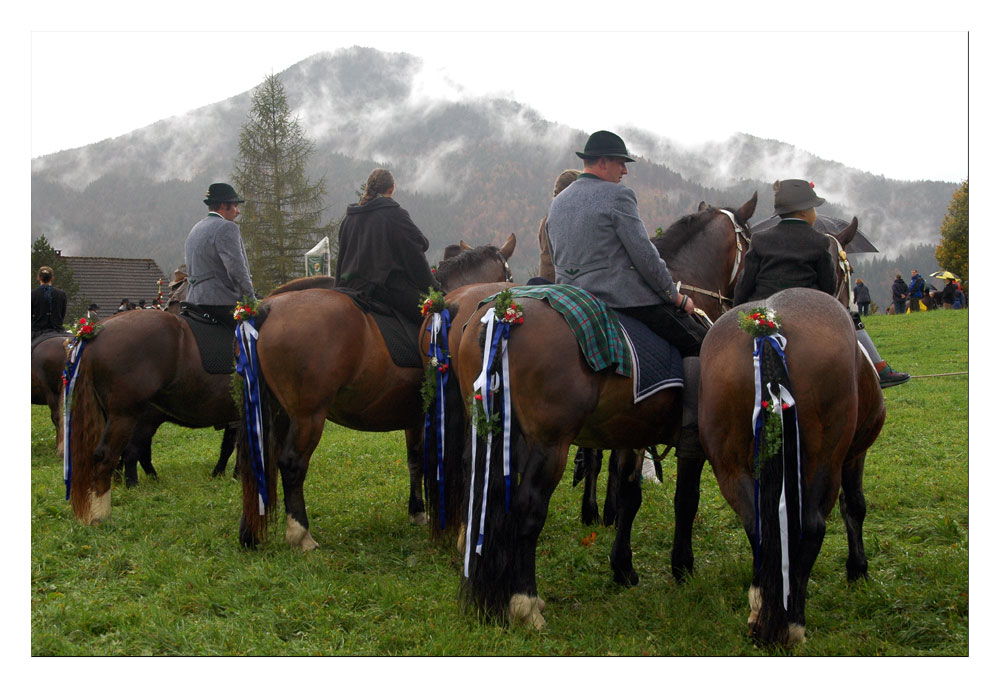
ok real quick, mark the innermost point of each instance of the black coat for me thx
(899, 289)
(790, 254)
(47, 313)
(861, 294)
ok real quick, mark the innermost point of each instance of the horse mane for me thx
(677, 235)
(466, 260)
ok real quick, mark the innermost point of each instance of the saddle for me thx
(402, 337)
(215, 336)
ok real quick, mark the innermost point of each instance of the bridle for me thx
(845, 268)
(742, 244)
(508, 276)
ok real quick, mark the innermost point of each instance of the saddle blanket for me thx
(656, 361)
(216, 340)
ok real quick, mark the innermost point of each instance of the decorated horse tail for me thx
(777, 498)
(492, 528)
(256, 455)
(82, 413)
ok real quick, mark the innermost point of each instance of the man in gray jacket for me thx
(600, 244)
(218, 270)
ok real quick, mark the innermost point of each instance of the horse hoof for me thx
(629, 578)
(461, 539)
(248, 540)
(419, 519)
(755, 602)
(100, 508)
(527, 610)
(298, 536)
(796, 635)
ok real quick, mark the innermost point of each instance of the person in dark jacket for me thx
(899, 290)
(382, 252)
(862, 297)
(48, 305)
(915, 291)
(791, 257)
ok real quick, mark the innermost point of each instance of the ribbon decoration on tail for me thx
(434, 418)
(70, 373)
(247, 366)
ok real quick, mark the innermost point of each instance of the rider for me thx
(382, 251)
(545, 269)
(791, 254)
(48, 305)
(599, 243)
(219, 273)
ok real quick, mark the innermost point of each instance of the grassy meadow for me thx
(166, 576)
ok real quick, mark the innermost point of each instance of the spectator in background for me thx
(899, 295)
(48, 305)
(92, 312)
(545, 269)
(862, 297)
(915, 291)
(960, 299)
(948, 294)
(125, 306)
(178, 290)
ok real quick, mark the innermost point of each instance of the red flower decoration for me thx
(811, 185)
(479, 397)
(763, 404)
(83, 321)
(784, 406)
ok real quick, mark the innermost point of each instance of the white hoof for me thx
(527, 610)
(754, 594)
(461, 539)
(297, 536)
(796, 635)
(419, 519)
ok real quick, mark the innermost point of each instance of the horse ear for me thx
(464, 246)
(846, 235)
(508, 246)
(702, 206)
(747, 210)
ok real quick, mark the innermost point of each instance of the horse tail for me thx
(87, 423)
(491, 537)
(253, 525)
(778, 507)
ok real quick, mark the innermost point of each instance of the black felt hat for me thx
(794, 194)
(604, 144)
(220, 192)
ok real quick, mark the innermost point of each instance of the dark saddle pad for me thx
(402, 337)
(35, 341)
(656, 363)
(216, 339)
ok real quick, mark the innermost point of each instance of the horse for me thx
(707, 272)
(557, 400)
(47, 361)
(351, 380)
(839, 410)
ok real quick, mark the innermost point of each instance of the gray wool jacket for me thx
(218, 270)
(600, 244)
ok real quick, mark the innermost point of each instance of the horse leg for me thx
(228, 443)
(611, 496)
(117, 433)
(853, 510)
(415, 462)
(530, 508)
(304, 434)
(55, 413)
(687, 494)
(590, 513)
(629, 498)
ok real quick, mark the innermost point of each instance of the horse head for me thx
(838, 246)
(477, 265)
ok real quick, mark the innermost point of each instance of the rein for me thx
(741, 237)
(845, 268)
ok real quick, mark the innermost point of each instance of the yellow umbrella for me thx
(943, 274)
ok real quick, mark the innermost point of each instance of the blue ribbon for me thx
(247, 365)
(70, 372)
(434, 419)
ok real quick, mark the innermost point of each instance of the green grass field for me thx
(166, 576)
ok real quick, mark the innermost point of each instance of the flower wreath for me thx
(484, 424)
(770, 442)
(246, 309)
(506, 310)
(85, 329)
(433, 302)
(428, 390)
(760, 322)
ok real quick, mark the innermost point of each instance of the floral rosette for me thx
(85, 329)
(760, 322)
(506, 310)
(428, 390)
(484, 424)
(433, 303)
(771, 439)
(245, 310)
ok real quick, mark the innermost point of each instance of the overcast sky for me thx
(893, 103)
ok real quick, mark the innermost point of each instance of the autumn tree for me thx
(281, 218)
(953, 251)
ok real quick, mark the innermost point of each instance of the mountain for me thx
(472, 169)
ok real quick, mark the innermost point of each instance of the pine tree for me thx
(281, 218)
(953, 251)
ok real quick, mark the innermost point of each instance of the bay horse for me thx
(840, 411)
(558, 400)
(48, 359)
(322, 358)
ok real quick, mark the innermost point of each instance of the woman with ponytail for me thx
(381, 251)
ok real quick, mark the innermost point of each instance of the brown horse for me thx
(322, 358)
(48, 359)
(840, 412)
(558, 400)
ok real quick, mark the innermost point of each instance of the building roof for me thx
(106, 281)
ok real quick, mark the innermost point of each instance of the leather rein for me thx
(742, 244)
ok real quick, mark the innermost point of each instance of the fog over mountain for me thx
(466, 168)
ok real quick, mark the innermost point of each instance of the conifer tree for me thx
(282, 216)
(953, 251)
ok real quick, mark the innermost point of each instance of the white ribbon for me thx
(247, 332)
